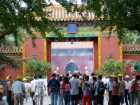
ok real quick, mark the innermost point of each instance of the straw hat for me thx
(120, 75)
(24, 79)
(113, 76)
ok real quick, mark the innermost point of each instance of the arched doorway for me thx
(71, 56)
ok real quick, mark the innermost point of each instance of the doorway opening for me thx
(72, 57)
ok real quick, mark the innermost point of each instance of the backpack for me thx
(93, 88)
(101, 88)
(67, 87)
(86, 89)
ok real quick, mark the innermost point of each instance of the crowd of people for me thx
(85, 89)
(75, 89)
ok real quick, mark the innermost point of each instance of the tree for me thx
(112, 67)
(130, 37)
(28, 15)
(117, 15)
(22, 17)
(35, 67)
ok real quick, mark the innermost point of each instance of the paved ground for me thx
(47, 101)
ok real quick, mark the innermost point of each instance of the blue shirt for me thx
(18, 87)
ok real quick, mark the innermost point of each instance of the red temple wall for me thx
(95, 54)
(34, 52)
(110, 48)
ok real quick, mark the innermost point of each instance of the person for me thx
(18, 90)
(115, 92)
(9, 90)
(39, 90)
(136, 90)
(132, 92)
(127, 87)
(109, 88)
(2, 101)
(122, 88)
(75, 84)
(27, 89)
(94, 100)
(53, 89)
(61, 100)
(32, 84)
(66, 90)
(99, 90)
(86, 100)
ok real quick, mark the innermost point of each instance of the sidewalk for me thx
(46, 101)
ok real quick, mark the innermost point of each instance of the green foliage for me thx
(112, 67)
(18, 21)
(129, 37)
(31, 18)
(115, 15)
(138, 40)
(35, 67)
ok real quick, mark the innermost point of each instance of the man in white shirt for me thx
(33, 82)
(127, 87)
(39, 90)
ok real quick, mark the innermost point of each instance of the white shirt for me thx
(33, 82)
(127, 85)
(27, 86)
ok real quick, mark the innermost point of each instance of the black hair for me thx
(87, 78)
(66, 80)
(39, 76)
(100, 77)
(94, 78)
(74, 75)
(54, 75)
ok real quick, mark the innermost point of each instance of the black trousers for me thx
(32, 95)
(67, 98)
(115, 100)
(110, 98)
(127, 97)
(74, 99)
(10, 98)
(100, 99)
